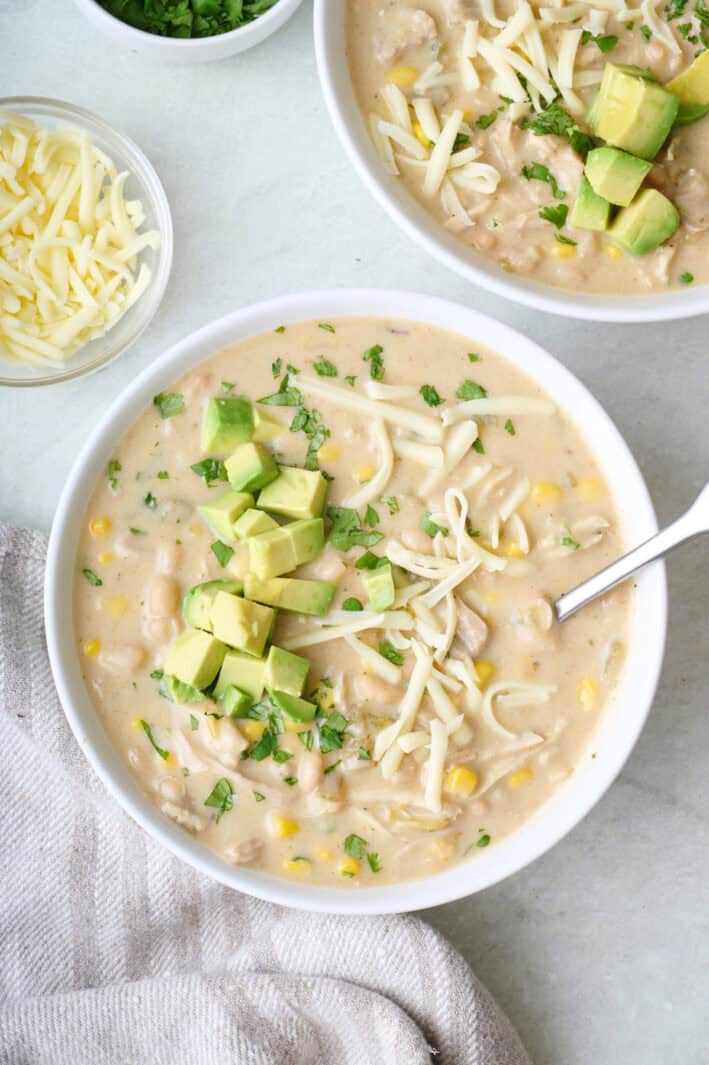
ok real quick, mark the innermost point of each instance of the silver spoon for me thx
(694, 522)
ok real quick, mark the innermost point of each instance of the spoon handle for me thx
(694, 522)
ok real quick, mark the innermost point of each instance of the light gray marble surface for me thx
(599, 952)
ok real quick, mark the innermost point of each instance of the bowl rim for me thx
(116, 25)
(143, 171)
(424, 230)
(644, 659)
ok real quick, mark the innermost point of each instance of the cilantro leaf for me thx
(556, 214)
(391, 502)
(169, 404)
(222, 552)
(112, 470)
(430, 395)
(149, 733)
(346, 531)
(355, 846)
(284, 397)
(374, 863)
(221, 798)
(373, 356)
(325, 368)
(352, 604)
(327, 327)
(429, 526)
(471, 390)
(539, 172)
(371, 518)
(388, 651)
(554, 119)
(210, 470)
(91, 577)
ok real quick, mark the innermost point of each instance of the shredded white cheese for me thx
(429, 429)
(436, 761)
(374, 489)
(504, 405)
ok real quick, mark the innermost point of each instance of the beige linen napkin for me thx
(112, 952)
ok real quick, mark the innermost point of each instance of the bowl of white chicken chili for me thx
(556, 155)
(298, 601)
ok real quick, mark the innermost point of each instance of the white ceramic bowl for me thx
(620, 726)
(191, 49)
(393, 196)
(143, 184)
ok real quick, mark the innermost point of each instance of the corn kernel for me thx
(461, 781)
(419, 134)
(611, 251)
(485, 671)
(546, 491)
(348, 867)
(253, 730)
(105, 558)
(514, 550)
(365, 473)
(491, 598)
(291, 725)
(324, 855)
(283, 826)
(589, 488)
(213, 727)
(467, 115)
(115, 605)
(563, 251)
(522, 776)
(136, 722)
(587, 691)
(403, 76)
(329, 453)
(100, 526)
(92, 648)
(297, 866)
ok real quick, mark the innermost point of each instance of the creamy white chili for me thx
(483, 110)
(313, 600)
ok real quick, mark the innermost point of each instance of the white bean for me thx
(167, 558)
(417, 540)
(171, 788)
(309, 770)
(121, 659)
(163, 597)
(249, 850)
(369, 689)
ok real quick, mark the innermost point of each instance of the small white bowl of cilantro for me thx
(188, 31)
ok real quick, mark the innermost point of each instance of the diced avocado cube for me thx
(287, 593)
(282, 549)
(590, 211)
(266, 429)
(252, 523)
(251, 467)
(243, 672)
(379, 583)
(286, 672)
(295, 493)
(615, 175)
(177, 692)
(198, 601)
(222, 513)
(235, 703)
(228, 421)
(295, 708)
(195, 657)
(650, 220)
(241, 624)
(271, 553)
(308, 537)
(691, 88)
(632, 112)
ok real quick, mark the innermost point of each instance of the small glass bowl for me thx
(144, 184)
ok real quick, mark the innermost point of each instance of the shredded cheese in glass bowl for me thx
(85, 242)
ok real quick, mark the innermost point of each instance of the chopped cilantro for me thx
(391, 502)
(388, 651)
(370, 561)
(554, 119)
(539, 172)
(471, 390)
(306, 738)
(430, 395)
(556, 214)
(352, 604)
(227, 386)
(461, 140)
(291, 781)
(355, 846)
(675, 8)
(169, 403)
(646, 32)
(279, 329)
(276, 367)
(346, 531)
(479, 446)
(150, 501)
(331, 732)
(112, 470)
(265, 746)
(564, 240)
(284, 397)
(429, 526)
(484, 121)
(333, 767)
(371, 518)
(327, 327)
(605, 43)
(373, 356)
(137, 532)
(567, 540)
(509, 427)
(162, 475)
(149, 733)
(686, 278)
(325, 368)
(91, 577)
(221, 797)
(194, 723)
(350, 379)
(210, 470)
(259, 797)
(222, 552)
(281, 756)
(374, 863)
(472, 357)
(363, 755)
